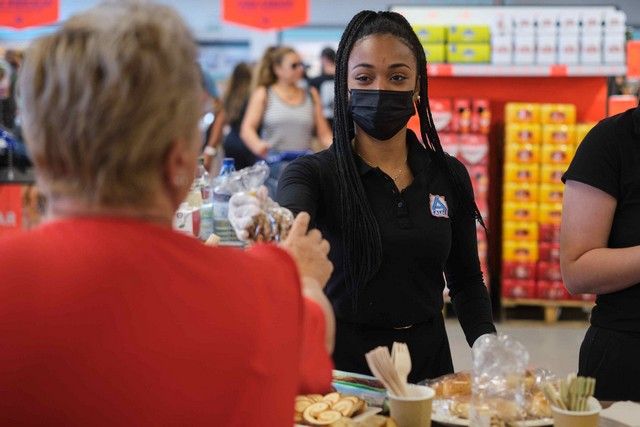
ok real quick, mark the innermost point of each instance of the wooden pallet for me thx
(551, 308)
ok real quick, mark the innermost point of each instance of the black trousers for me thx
(613, 359)
(428, 345)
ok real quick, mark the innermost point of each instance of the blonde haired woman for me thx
(286, 114)
(108, 317)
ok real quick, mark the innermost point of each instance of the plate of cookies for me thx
(333, 409)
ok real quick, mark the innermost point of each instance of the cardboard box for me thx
(518, 288)
(558, 114)
(522, 153)
(522, 112)
(523, 133)
(519, 250)
(461, 119)
(520, 230)
(615, 20)
(524, 47)
(469, 34)
(435, 52)
(479, 175)
(552, 290)
(522, 173)
(550, 213)
(549, 251)
(502, 24)
(546, 49)
(568, 48)
(552, 174)
(518, 270)
(549, 271)
(468, 53)
(591, 49)
(480, 116)
(514, 211)
(569, 22)
(520, 192)
(449, 142)
(431, 33)
(560, 154)
(441, 110)
(548, 233)
(502, 50)
(592, 21)
(558, 134)
(551, 193)
(546, 22)
(523, 23)
(614, 49)
(474, 149)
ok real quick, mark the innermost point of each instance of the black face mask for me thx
(381, 113)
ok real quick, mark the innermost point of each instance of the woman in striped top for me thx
(281, 116)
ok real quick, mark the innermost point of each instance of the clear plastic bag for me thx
(498, 380)
(253, 215)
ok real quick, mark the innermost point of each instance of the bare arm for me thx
(588, 265)
(251, 122)
(215, 137)
(325, 134)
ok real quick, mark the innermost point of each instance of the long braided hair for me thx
(361, 233)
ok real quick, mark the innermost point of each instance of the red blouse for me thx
(114, 321)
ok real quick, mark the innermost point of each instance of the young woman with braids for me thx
(398, 214)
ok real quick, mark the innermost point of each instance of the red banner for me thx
(28, 13)
(266, 14)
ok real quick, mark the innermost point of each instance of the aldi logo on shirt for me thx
(438, 206)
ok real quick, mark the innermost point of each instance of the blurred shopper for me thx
(286, 115)
(234, 105)
(108, 317)
(211, 132)
(325, 81)
(397, 214)
(600, 251)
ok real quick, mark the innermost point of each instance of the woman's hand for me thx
(309, 250)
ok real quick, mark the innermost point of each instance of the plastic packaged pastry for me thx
(253, 215)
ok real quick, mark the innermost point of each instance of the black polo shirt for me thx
(418, 246)
(609, 159)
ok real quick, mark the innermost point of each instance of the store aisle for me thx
(554, 347)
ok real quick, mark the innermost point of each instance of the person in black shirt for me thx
(398, 214)
(600, 251)
(324, 83)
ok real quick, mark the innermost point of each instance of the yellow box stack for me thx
(540, 141)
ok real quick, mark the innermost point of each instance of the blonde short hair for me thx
(103, 98)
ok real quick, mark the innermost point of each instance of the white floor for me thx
(553, 347)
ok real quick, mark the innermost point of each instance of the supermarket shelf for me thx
(489, 70)
(551, 307)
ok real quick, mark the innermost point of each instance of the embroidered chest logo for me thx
(438, 206)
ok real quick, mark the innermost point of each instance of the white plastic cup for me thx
(413, 410)
(589, 418)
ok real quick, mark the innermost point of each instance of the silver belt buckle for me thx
(400, 328)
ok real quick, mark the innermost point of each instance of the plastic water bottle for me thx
(221, 195)
(203, 185)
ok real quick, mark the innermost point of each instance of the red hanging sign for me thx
(266, 14)
(28, 13)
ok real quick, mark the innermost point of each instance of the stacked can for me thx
(539, 145)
